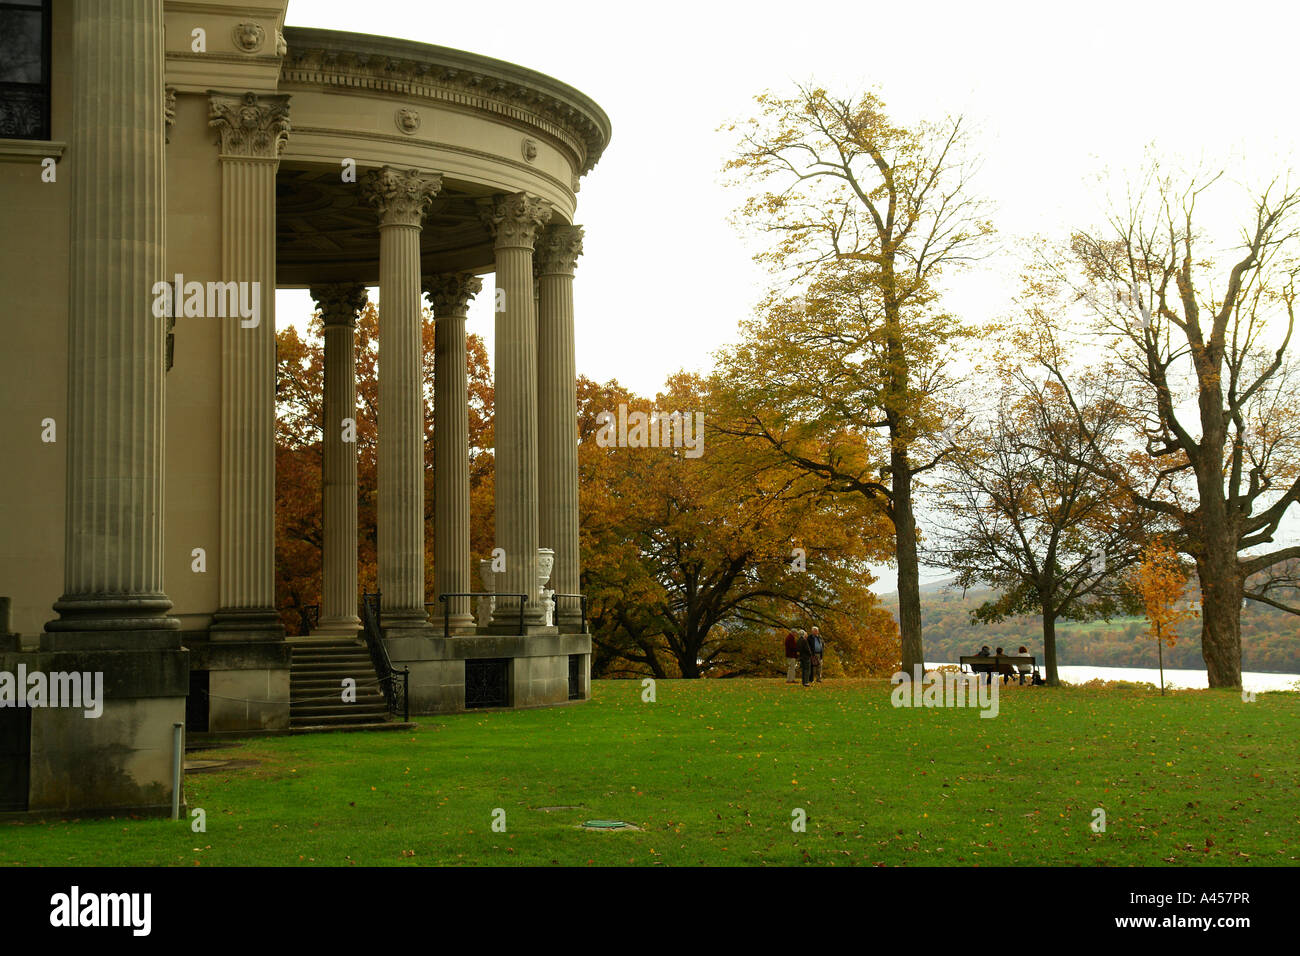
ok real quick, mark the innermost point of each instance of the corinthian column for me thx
(450, 295)
(557, 410)
(339, 305)
(402, 197)
(253, 130)
(112, 571)
(515, 222)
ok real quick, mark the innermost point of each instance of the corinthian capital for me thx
(250, 126)
(402, 196)
(450, 292)
(339, 302)
(558, 250)
(515, 220)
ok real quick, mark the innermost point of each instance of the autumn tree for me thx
(1202, 329)
(845, 371)
(299, 413)
(1022, 512)
(692, 564)
(1161, 583)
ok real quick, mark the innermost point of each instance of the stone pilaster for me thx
(401, 198)
(113, 613)
(449, 296)
(515, 222)
(339, 304)
(113, 543)
(252, 131)
(557, 412)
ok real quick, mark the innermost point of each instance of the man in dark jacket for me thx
(805, 657)
(818, 648)
(791, 657)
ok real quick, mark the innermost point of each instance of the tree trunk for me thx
(909, 573)
(1049, 648)
(1222, 586)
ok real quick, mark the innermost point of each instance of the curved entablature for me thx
(412, 70)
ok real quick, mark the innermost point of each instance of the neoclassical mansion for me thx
(165, 165)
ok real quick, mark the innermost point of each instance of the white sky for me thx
(1058, 93)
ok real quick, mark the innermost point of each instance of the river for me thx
(1174, 677)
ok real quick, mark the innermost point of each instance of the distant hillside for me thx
(1270, 638)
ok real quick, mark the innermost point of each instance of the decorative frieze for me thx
(248, 36)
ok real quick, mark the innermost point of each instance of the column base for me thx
(246, 624)
(113, 612)
(338, 628)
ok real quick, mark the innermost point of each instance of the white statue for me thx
(486, 605)
(545, 564)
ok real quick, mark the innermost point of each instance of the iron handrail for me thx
(371, 617)
(446, 605)
(582, 606)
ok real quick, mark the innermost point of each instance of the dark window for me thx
(196, 705)
(25, 69)
(15, 756)
(487, 683)
(575, 676)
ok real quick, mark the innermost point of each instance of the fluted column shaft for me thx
(450, 295)
(516, 221)
(339, 305)
(253, 130)
(401, 198)
(557, 409)
(114, 425)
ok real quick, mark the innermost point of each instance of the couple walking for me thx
(803, 650)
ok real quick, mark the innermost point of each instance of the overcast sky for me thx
(1058, 93)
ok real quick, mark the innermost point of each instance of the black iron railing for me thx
(446, 605)
(309, 617)
(582, 607)
(396, 683)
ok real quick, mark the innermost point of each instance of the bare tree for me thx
(1205, 338)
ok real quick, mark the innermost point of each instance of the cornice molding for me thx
(423, 71)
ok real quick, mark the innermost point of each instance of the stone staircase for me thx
(316, 676)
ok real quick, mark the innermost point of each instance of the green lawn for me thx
(712, 771)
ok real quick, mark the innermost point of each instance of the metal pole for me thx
(178, 767)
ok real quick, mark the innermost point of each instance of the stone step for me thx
(329, 720)
(328, 728)
(316, 675)
(370, 711)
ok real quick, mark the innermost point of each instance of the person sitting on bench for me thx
(1022, 671)
(1006, 670)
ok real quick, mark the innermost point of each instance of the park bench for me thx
(997, 663)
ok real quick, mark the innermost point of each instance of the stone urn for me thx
(486, 605)
(545, 564)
